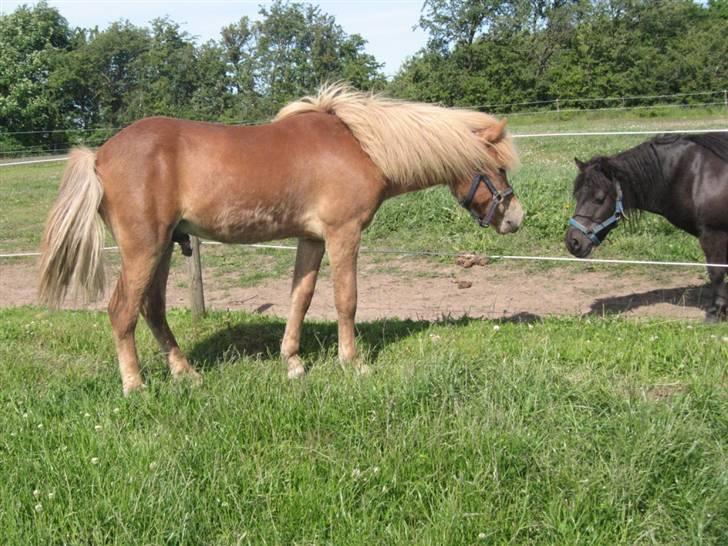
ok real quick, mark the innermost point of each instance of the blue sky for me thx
(385, 24)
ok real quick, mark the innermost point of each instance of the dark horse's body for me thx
(681, 177)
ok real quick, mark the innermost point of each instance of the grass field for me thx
(565, 431)
(561, 431)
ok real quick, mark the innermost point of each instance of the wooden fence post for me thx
(197, 296)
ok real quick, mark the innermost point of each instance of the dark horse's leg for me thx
(715, 246)
(154, 311)
(308, 261)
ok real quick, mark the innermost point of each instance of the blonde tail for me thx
(73, 241)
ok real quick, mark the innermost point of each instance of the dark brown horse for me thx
(319, 172)
(681, 177)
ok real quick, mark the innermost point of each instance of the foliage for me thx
(32, 44)
(482, 53)
(53, 77)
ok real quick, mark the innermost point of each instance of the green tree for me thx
(290, 51)
(32, 43)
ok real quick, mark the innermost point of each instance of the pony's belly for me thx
(249, 226)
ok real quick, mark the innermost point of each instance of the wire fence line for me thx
(560, 100)
(439, 254)
(524, 135)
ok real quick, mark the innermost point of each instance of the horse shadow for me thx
(262, 339)
(698, 297)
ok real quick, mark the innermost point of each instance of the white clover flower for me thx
(115, 410)
(482, 536)
(36, 493)
(94, 460)
(356, 473)
(496, 328)
(87, 414)
(51, 494)
(98, 428)
(39, 508)
(40, 425)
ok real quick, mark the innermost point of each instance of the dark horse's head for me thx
(599, 206)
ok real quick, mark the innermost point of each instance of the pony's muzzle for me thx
(512, 217)
(577, 243)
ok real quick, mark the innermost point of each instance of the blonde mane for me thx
(414, 143)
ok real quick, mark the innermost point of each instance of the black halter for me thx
(497, 199)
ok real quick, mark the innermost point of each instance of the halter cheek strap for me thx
(497, 197)
(593, 233)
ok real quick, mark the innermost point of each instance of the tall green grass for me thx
(564, 431)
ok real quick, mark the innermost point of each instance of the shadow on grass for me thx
(318, 339)
(687, 296)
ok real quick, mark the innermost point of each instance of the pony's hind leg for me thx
(137, 271)
(308, 262)
(154, 311)
(715, 246)
(343, 248)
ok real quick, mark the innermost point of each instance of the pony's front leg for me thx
(715, 246)
(343, 249)
(308, 262)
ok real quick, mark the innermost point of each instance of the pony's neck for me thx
(639, 173)
(395, 189)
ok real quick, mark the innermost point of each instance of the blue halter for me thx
(593, 234)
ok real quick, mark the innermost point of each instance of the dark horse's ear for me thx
(580, 164)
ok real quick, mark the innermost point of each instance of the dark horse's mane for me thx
(639, 170)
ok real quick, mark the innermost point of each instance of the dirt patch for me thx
(419, 289)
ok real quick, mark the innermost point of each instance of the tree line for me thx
(59, 85)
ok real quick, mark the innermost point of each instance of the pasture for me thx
(557, 430)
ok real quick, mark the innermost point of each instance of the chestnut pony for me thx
(318, 172)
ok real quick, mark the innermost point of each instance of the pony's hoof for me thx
(295, 368)
(133, 386)
(296, 372)
(711, 318)
(189, 375)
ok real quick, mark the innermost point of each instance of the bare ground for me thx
(420, 289)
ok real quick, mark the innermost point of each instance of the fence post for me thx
(197, 296)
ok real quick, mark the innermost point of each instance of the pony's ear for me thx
(495, 133)
(580, 164)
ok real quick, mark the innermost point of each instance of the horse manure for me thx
(469, 260)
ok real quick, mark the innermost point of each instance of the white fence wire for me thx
(448, 254)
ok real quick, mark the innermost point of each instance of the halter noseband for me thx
(593, 233)
(497, 198)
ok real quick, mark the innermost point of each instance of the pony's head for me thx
(487, 195)
(599, 206)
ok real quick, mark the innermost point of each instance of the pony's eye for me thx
(599, 199)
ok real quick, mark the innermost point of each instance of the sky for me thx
(387, 25)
